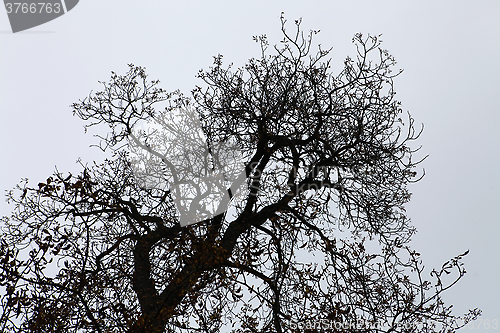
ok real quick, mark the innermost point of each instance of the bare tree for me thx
(327, 162)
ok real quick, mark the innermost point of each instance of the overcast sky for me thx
(449, 50)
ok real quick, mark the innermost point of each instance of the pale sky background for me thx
(450, 51)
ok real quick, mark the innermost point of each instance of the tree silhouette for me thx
(325, 164)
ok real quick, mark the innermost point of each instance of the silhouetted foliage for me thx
(327, 165)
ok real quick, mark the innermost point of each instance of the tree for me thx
(327, 163)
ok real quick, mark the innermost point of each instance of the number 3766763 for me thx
(32, 8)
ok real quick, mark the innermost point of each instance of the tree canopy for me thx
(326, 161)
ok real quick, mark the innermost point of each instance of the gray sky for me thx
(450, 51)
